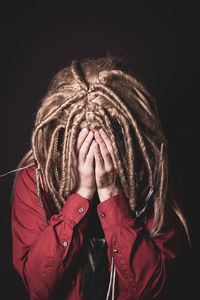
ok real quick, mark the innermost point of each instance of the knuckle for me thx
(110, 150)
(109, 169)
(99, 155)
(100, 174)
(107, 154)
(100, 160)
(89, 158)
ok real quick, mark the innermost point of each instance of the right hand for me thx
(85, 164)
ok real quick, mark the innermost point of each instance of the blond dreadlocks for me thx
(101, 93)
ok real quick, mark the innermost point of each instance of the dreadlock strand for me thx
(100, 121)
(71, 149)
(143, 104)
(56, 96)
(37, 177)
(159, 203)
(67, 182)
(55, 153)
(159, 206)
(75, 68)
(53, 115)
(130, 152)
(42, 141)
(142, 100)
(73, 112)
(64, 153)
(49, 106)
(48, 174)
(127, 77)
(34, 148)
(156, 152)
(178, 212)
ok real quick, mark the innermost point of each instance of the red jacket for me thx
(46, 251)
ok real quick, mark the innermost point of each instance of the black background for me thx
(159, 39)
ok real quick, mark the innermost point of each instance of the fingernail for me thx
(101, 130)
(91, 133)
(97, 133)
(85, 130)
(95, 143)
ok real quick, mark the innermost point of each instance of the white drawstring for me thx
(112, 281)
(113, 285)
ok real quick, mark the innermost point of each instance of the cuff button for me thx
(102, 215)
(81, 210)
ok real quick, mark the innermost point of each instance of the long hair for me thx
(102, 93)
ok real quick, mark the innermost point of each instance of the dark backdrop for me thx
(159, 39)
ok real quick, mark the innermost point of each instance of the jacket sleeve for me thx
(141, 262)
(42, 250)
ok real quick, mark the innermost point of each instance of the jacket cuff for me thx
(75, 208)
(113, 210)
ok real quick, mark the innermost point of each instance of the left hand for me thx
(105, 166)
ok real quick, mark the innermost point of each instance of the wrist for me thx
(107, 193)
(85, 193)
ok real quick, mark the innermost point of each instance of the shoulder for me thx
(25, 184)
(25, 192)
(28, 175)
(26, 205)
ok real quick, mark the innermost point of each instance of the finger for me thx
(81, 137)
(99, 163)
(90, 156)
(104, 151)
(85, 147)
(108, 144)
